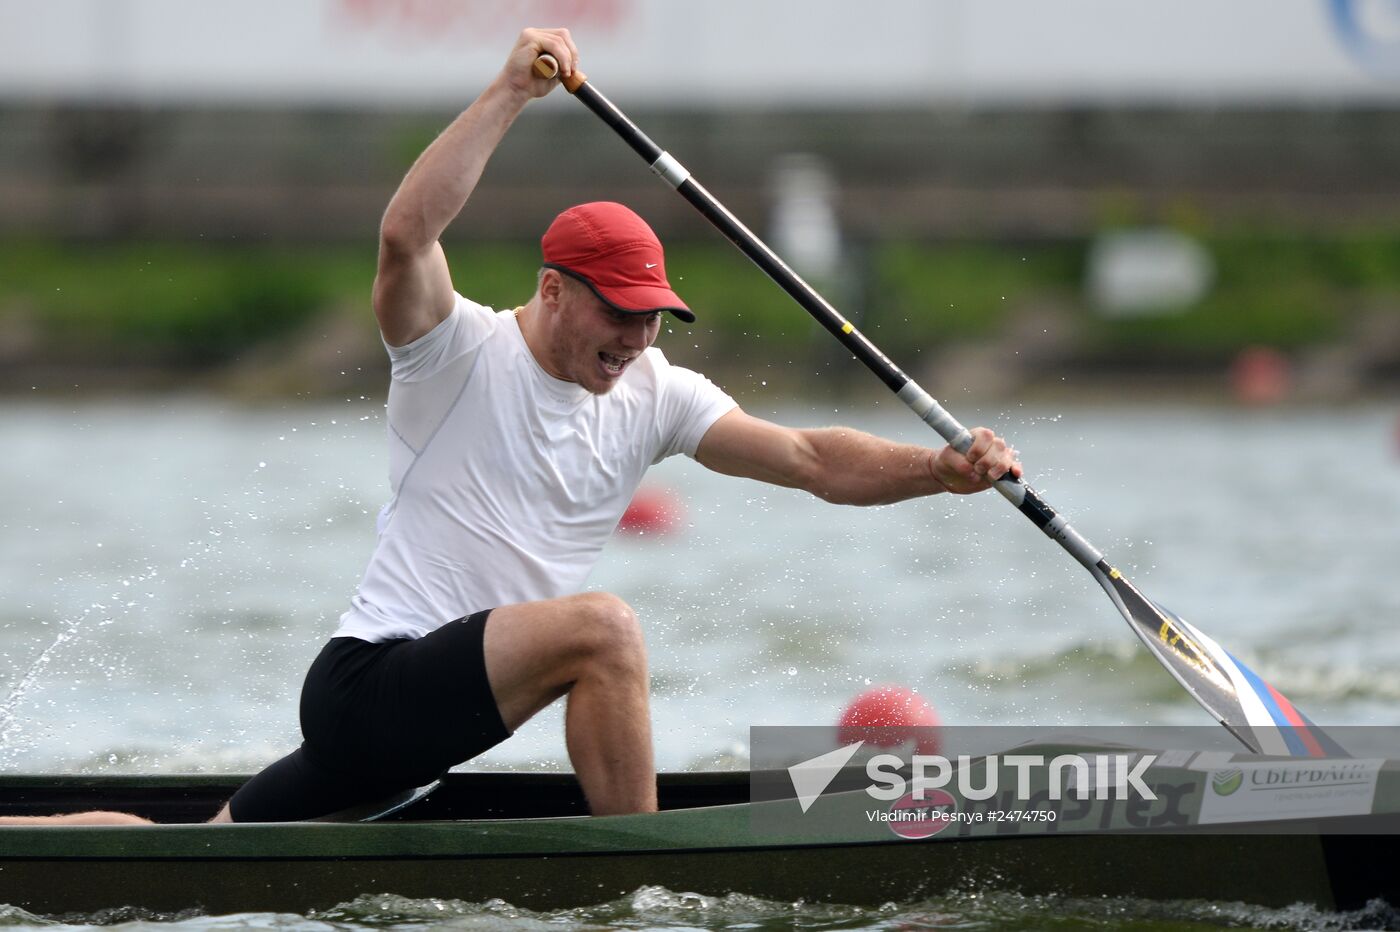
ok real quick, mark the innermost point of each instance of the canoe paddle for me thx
(1249, 707)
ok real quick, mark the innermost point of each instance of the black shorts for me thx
(380, 718)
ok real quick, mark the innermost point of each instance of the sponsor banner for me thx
(719, 53)
(1253, 792)
(874, 783)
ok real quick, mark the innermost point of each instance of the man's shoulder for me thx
(657, 361)
(466, 329)
(666, 379)
(471, 323)
(653, 369)
(484, 313)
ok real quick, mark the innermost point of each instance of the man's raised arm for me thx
(412, 288)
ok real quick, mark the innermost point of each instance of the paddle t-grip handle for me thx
(547, 66)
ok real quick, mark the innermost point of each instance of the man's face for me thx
(591, 343)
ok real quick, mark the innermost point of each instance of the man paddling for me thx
(517, 439)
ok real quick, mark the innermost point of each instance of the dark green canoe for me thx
(524, 838)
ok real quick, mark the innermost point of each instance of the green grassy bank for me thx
(188, 306)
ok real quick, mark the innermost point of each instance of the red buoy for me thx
(891, 716)
(1261, 375)
(652, 511)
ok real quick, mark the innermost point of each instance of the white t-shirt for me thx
(506, 481)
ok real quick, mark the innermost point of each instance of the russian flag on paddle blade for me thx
(1278, 725)
(1304, 739)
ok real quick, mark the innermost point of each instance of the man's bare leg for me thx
(589, 646)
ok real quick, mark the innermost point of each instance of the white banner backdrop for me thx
(726, 52)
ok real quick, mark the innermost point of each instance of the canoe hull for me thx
(522, 838)
(1269, 871)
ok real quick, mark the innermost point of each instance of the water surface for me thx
(170, 567)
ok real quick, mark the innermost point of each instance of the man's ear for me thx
(551, 288)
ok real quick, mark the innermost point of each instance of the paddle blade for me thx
(1250, 708)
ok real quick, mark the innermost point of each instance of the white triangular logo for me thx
(811, 777)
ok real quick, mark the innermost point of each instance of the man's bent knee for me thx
(608, 628)
(537, 652)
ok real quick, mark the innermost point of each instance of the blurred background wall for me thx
(1013, 196)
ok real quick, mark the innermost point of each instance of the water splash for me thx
(10, 723)
(658, 908)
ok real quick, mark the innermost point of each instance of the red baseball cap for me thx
(613, 251)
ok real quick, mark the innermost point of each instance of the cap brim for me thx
(645, 299)
(633, 299)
